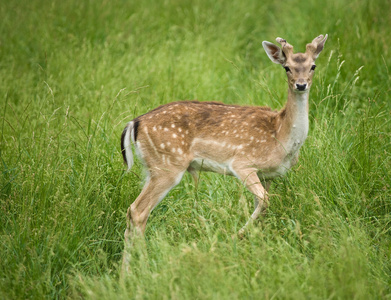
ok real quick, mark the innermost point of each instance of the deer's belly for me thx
(204, 164)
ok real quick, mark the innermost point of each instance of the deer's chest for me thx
(297, 137)
(287, 154)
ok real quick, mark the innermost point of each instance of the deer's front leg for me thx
(266, 184)
(250, 178)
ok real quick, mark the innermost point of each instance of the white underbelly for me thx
(209, 165)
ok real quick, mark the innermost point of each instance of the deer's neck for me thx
(294, 122)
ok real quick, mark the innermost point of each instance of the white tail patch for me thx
(127, 145)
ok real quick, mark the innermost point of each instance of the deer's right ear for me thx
(274, 52)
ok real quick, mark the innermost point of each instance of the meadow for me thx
(73, 73)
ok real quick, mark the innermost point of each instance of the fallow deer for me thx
(254, 144)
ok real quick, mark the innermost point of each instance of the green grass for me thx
(74, 72)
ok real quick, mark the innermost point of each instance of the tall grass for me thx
(74, 72)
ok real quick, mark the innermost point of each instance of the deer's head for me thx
(299, 67)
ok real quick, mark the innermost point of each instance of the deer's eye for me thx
(313, 67)
(287, 69)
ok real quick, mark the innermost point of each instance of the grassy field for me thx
(74, 72)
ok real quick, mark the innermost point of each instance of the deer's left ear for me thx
(316, 46)
(274, 52)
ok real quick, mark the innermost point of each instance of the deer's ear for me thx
(274, 52)
(320, 45)
(316, 46)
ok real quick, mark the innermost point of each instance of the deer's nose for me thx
(301, 87)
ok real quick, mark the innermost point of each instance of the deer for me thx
(254, 144)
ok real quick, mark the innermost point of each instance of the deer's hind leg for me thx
(158, 184)
(155, 189)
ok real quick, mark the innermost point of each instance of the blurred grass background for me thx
(74, 72)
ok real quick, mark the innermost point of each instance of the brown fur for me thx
(252, 143)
